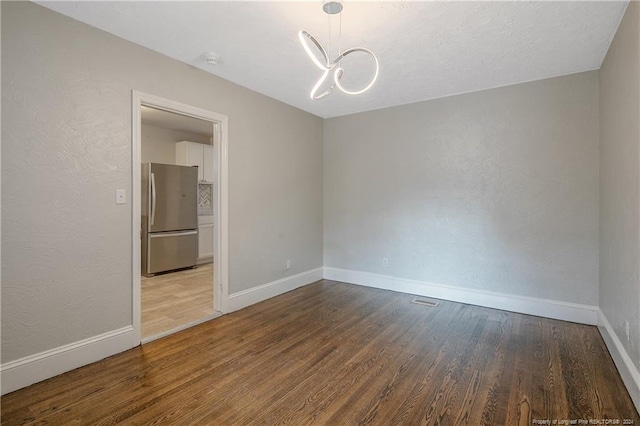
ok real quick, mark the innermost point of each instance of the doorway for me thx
(167, 134)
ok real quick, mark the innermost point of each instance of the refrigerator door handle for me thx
(153, 198)
(172, 234)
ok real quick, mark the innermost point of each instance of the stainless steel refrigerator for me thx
(169, 217)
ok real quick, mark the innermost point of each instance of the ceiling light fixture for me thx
(326, 65)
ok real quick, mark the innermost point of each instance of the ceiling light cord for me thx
(340, 35)
(330, 34)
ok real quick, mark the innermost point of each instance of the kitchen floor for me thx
(175, 299)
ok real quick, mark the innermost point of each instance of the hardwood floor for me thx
(338, 354)
(175, 299)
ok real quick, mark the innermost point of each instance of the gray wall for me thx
(159, 144)
(66, 142)
(495, 190)
(620, 182)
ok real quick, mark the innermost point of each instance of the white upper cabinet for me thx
(196, 154)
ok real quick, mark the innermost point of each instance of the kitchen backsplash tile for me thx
(205, 199)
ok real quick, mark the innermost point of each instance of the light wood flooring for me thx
(175, 299)
(338, 354)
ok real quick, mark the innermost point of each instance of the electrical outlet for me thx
(627, 330)
(385, 262)
(288, 263)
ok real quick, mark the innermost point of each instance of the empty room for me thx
(320, 212)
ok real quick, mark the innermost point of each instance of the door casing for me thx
(220, 123)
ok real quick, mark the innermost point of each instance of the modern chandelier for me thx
(326, 65)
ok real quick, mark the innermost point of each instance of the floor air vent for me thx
(424, 302)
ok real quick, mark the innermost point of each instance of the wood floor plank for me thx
(517, 390)
(333, 353)
(436, 350)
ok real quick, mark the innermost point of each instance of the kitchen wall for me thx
(159, 144)
(494, 190)
(66, 147)
(620, 184)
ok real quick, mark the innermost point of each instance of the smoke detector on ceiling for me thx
(212, 58)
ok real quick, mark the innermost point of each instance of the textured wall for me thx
(159, 144)
(66, 142)
(620, 182)
(494, 190)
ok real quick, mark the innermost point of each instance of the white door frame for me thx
(220, 125)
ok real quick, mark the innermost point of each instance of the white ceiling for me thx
(426, 49)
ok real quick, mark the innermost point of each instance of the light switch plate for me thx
(121, 196)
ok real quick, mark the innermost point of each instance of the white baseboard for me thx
(253, 295)
(35, 368)
(584, 314)
(627, 369)
(25, 371)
